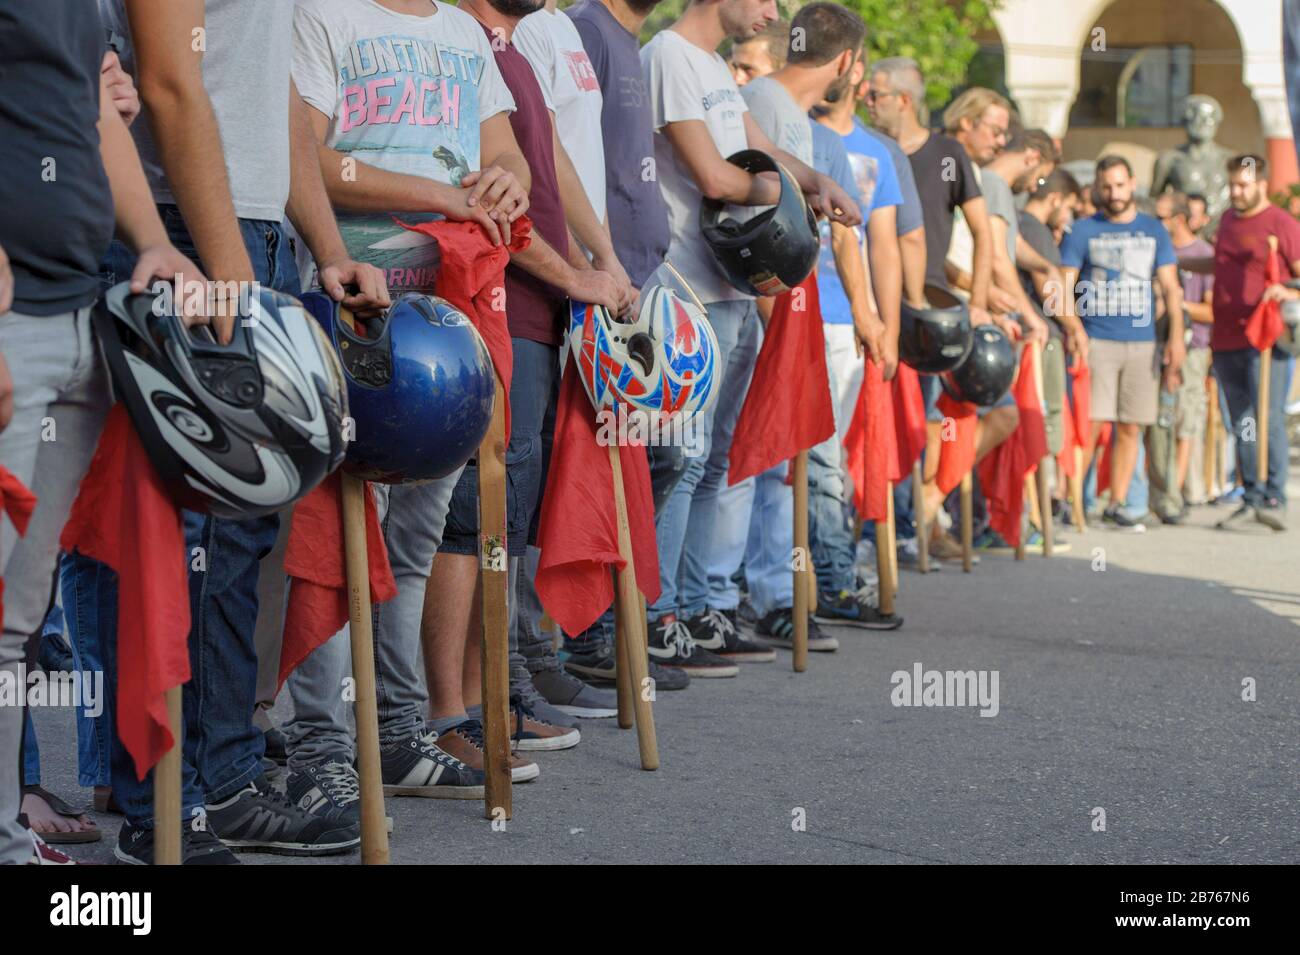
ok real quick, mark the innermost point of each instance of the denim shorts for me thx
(533, 388)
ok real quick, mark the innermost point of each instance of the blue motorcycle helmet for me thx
(420, 386)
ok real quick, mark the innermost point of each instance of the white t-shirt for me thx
(686, 83)
(551, 44)
(404, 93)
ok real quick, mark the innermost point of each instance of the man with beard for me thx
(1109, 260)
(700, 119)
(1240, 250)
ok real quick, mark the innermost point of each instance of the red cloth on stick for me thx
(1265, 323)
(909, 418)
(1003, 471)
(956, 456)
(578, 532)
(871, 443)
(788, 407)
(1076, 417)
(124, 518)
(18, 503)
(314, 558)
(472, 276)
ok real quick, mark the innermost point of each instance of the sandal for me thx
(62, 808)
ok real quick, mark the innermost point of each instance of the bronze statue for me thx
(1197, 166)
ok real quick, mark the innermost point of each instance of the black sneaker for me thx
(855, 610)
(329, 789)
(1114, 516)
(198, 847)
(777, 630)
(671, 646)
(415, 766)
(715, 631)
(1271, 513)
(261, 818)
(598, 664)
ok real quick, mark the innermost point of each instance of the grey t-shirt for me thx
(780, 117)
(908, 213)
(249, 47)
(999, 202)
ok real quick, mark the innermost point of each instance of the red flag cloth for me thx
(1265, 322)
(578, 529)
(1076, 416)
(788, 407)
(314, 558)
(1003, 471)
(472, 276)
(871, 446)
(18, 503)
(956, 457)
(909, 417)
(124, 518)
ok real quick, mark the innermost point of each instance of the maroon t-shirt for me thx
(1240, 251)
(534, 309)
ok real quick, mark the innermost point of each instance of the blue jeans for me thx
(222, 749)
(1238, 374)
(685, 525)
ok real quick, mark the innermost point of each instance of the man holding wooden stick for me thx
(1241, 253)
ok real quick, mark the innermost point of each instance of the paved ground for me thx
(1118, 688)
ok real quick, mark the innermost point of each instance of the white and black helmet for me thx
(236, 430)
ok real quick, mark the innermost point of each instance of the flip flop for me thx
(62, 808)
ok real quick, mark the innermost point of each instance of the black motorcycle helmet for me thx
(986, 374)
(772, 252)
(938, 338)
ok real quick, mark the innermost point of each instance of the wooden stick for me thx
(1076, 493)
(622, 666)
(1210, 466)
(884, 566)
(891, 536)
(1027, 521)
(918, 512)
(634, 661)
(167, 790)
(494, 576)
(1045, 495)
(966, 524)
(374, 823)
(802, 559)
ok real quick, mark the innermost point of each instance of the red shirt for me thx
(534, 309)
(1240, 251)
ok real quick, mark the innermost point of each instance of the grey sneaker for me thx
(598, 664)
(327, 789)
(1271, 513)
(570, 695)
(417, 766)
(523, 688)
(260, 817)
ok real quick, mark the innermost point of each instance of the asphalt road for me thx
(1119, 689)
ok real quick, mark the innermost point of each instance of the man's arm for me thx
(886, 280)
(540, 260)
(169, 72)
(717, 179)
(581, 218)
(309, 211)
(1201, 312)
(912, 249)
(1175, 350)
(851, 266)
(977, 219)
(1006, 279)
(137, 219)
(829, 199)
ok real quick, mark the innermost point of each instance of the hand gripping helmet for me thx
(776, 249)
(938, 338)
(236, 430)
(986, 374)
(662, 364)
(420, 387)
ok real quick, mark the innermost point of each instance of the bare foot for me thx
(45, 820)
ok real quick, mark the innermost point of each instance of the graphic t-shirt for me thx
(56, 211)
(1117, 262)
(875, 186)
(552, 45)
(1196, 285)
(1240, 251)
(406, 94)
(944, 179)
(637, 215)
(688, 83)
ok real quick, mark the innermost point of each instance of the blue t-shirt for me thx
(1117, 262)
(874, 186)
